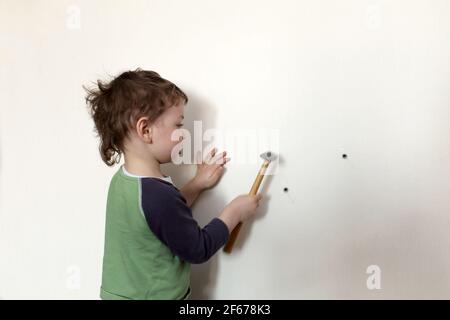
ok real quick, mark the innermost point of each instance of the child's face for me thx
(162, 130)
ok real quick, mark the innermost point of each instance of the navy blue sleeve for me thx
(170, 219)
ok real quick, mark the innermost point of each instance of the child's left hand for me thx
(211, 169)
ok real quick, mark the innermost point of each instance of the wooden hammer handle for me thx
(234, 234)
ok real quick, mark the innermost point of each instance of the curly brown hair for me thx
(116, 106)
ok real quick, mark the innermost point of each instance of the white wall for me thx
(370, 79)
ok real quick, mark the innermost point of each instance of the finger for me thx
(218, 172)
(198, 157)
(210, 155)
(219, 169)
(220, 158)
(225, 161)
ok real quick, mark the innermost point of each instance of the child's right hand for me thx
(244, 206)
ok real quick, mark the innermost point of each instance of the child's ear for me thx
(144, 129)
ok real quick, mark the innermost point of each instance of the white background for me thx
(370, 79)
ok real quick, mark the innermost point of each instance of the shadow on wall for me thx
(210, 203)
(247, 227)
(204, 276)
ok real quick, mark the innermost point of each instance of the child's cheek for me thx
(176, 136)
(172, 137)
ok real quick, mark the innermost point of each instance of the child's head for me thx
(136, 112)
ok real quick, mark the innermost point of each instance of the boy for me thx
(151, 237)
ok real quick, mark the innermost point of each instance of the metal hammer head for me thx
(268, 156)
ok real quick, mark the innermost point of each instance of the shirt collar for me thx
(165, 178)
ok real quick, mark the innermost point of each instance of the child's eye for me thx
(179, 125)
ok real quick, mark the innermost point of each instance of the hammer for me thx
(268, 157)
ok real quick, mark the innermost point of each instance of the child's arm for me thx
(170, 219)
(190, 191)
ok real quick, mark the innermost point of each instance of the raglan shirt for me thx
(151, 238)
(170, 219)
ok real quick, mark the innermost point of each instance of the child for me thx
(151, 237)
